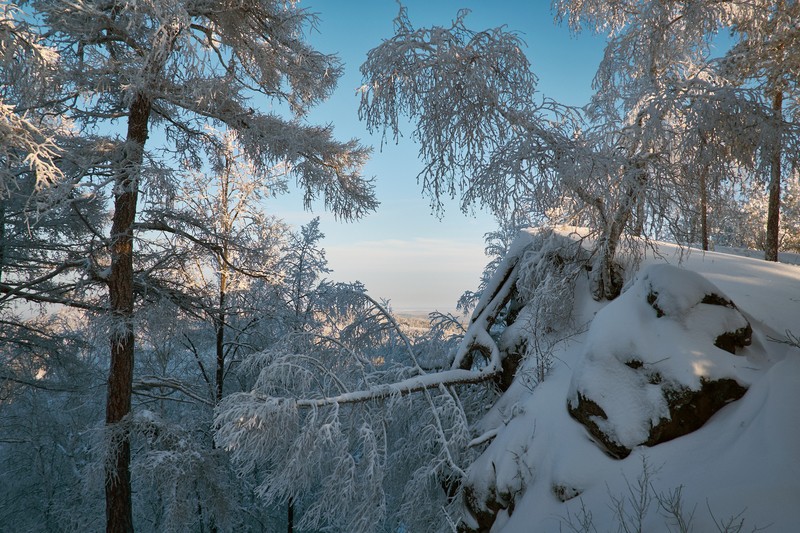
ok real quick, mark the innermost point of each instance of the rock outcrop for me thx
(630, 391)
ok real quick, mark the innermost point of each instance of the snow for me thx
(742, 465)
(674, 343)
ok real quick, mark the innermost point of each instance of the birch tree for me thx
(171, 68)
(657, 50)
(224, 241)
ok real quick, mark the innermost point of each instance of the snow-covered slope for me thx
(742, 468)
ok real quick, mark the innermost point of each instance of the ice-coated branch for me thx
(440, 431)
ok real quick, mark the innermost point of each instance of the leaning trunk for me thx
(606, 278)
(774, 205)
(119, 508)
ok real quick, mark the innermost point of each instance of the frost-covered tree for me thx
(658, 56)
(303, 266)
(654, 95)
(49, 379)
(31, 181)
(136, 68)
(483, 130)
(27, 66)
(222, 240)
(767, 53)
(486, 135)
(344, 427)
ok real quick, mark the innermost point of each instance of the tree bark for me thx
(704, 170)
(2, 237)
(119, 507)
(606, 281)
(222, 262)
(221, 319)
(290, 516)
(774, 202)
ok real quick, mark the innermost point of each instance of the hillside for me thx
(544, 471)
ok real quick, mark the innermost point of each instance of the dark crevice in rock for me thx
(731, 340)
(484, 511)
(689, 410)
(652, 296)
(716, 299)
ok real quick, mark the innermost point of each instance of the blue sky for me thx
(402, 252)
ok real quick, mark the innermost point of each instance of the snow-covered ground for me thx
(738, 472)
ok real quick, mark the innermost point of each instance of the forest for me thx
(175, 357)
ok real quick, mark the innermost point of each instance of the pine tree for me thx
(170, 68)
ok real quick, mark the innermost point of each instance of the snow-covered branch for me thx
(148, 383)
(411, 385)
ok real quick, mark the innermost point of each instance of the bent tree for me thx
(131, 71)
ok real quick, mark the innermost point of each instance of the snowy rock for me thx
(659, 361)
(483, 508)
(675, 292)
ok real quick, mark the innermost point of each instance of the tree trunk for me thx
(221, 318)
(704, 206)
(2, 237)
(606, 280)
(119, 508)
(774, 203)
(704, 195)
(638, 228)
(290, 516)
(222, 261)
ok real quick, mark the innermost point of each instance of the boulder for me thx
(660, 361)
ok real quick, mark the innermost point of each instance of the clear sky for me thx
(402, 252)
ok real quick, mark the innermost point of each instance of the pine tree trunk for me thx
(119, 508)
(774, 202)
